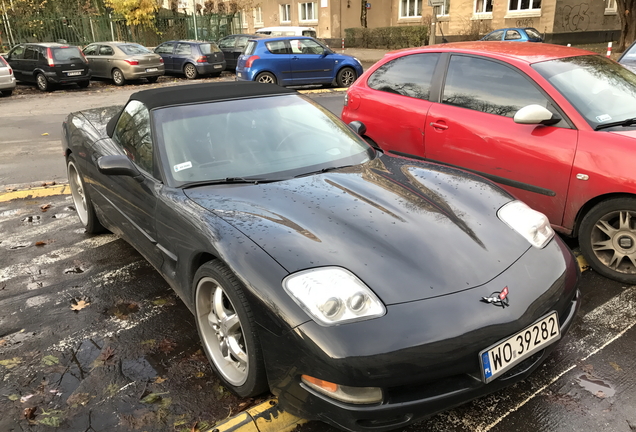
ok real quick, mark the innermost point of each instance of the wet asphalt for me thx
(93, 339)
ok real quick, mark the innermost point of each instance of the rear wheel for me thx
(608, 239)
(84, 84)
(81, 198)
(266, 77)
(152, 79)
(42, 82)
(346, 76)
(7, 92)
(190, 71)
(118, 77)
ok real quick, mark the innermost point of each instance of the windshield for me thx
(66, 53)
(269, 138)
(601, 90)
(132, 49)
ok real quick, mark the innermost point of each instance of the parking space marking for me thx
(22, 269)
(35, 192)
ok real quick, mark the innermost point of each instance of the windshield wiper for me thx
(624, 123)
(231, 180)
(323, 170)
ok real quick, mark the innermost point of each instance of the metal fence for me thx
(84, 29)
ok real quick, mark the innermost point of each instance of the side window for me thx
(30, 53)
(165, 48)
(90, 50)
(183, 49)
(277, 47)
(105, 50)
(17, 53)
(494, 36)
(306, 46)
(489, 87)
(132, 133)
(512, 35)
(408, 76)
(227, 42)
(241, 41)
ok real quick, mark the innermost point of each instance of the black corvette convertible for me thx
(365, 290)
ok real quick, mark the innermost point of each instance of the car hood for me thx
(629, 133)
(99, 117)
(409, 230)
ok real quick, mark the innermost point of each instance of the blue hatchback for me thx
(295, 60)
(527, 34)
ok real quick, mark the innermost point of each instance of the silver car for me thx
(7, 80)
(123, 61)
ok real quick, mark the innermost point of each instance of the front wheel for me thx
(42, 83)
(228, 330)
(118, 77)
(190, 71)
(266, 77)
(608, 239)
(346, 76)
(81, 198)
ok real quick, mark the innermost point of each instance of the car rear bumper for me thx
(7, 82)
(434, 367)
(146, 71)
(54, 78)
(210, 68)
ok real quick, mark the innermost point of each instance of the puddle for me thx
(596, 386)
(9, 213)
(14, 339)
(123, 309)
(32, 220)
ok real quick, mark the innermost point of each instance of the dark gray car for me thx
(191, 58)
(233, 46)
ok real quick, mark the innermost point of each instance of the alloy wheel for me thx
(77, 192)
(190, 71)
(42, 83)
(348, 77)
(613, 241)
(266, 78)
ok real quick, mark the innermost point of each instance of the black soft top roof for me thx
(208, 92)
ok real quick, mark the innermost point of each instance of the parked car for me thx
(553, 125)
(628, 58)
(124, 61)
(255, 203)
(233, 46)
(527, 34)
(191, 58)
(7, 80)
(292, 60)
(49, 64)
(287, 31)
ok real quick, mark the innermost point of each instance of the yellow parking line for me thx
(264, 417)
(35, 192)
(332, 90)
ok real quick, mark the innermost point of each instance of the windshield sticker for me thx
(182, 166)
(603, 118)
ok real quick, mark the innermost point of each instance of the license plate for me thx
(218, 66)
(152, 70)
(513, 350)
(73, 73)
(239, 74)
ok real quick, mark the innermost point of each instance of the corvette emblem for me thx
(498, 298)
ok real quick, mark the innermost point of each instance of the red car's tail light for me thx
(131, 62)
(250, 60)
(49, 57)
(202, 59)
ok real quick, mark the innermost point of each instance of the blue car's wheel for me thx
(266, 77)
(346, 76)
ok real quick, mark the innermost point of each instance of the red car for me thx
(553, 125)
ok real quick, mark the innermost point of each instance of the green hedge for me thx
(386, 37)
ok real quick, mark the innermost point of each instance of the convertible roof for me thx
(208, 92)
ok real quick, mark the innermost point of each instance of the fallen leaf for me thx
(79, 305)
(78, 399)
(11, 363)
(52, 183)
(166, 346)
(588, 369)
(159, 380)
(23, 399)
(13, 397)
(106, 354)
(50, 421)
(45, 207)
(599, 394)
(2, 341)
(40, 243)
(194, 427)
(50, 360)
(616, 367)
(45, 134)
(152, 398)
(11, 189)
(199, 374)
(29, 413)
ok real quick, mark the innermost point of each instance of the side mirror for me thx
(536, 114)
(118, 165)
(325, 52)
(358, 127)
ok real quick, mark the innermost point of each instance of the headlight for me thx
(333, 295)
(357, 60)
(531, 224)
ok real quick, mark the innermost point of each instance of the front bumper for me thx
(435, 366)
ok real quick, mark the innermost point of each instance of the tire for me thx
(190, 71)
(83, 84)
(42, 83)
(7, 92)
(81, 199)
(607, 238)
(266, 77)
(219, 299)
(152, 79)
(118, 77)
(346, 76)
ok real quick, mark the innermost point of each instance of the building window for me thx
(524, 5)
(483, 6)
(610, 6)
(307, 12)
(285, 13)
(444, 9)
(258, 17)
(410, 9)
(243, 19)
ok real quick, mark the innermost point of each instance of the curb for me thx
(264, 417)
(38, 192)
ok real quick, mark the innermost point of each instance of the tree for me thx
(363, 13)
(627, 15)
(136, 12)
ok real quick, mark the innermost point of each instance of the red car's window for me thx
(488, 86)
(408, 76)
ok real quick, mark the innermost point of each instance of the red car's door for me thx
(394, 107)
(473, 128)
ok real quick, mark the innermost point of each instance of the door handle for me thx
(441, 126)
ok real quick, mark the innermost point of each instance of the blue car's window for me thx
(488, 86)
(165, 48)
(533, 34)
(305, 46)
(512, 35)
(249, 49)
(408, 76)
(268, 137)
(277, 47)
(494, 36)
